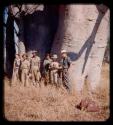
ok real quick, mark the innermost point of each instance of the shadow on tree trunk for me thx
(90, 41)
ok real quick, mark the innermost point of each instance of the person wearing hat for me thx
(65, 64)
(54, 66)
(46, 70)
(35, 68)
(25, 66)
(16, 67)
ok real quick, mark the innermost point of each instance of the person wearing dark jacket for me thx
(65, 64)
(46, 71)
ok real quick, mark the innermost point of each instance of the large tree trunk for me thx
(83, 32)
(10, 46)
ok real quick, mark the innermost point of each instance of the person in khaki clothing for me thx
(54, 66)
(35, 68)
(16, 67)
(25, 66)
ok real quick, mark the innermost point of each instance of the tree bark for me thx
(83, 32)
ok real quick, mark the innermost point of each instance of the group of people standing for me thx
(53, 72)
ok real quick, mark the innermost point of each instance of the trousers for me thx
(54, 76)
(15, 76)
(65, 79)
(36, 75)
(24, 77)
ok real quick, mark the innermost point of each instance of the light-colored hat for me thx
(63, 51)
(34, 52)
(54, 56)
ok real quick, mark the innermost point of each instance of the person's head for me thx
(48, 56)
(64, 53)
(34, 53)
(54, 57)
(17, 56)
(24, 56)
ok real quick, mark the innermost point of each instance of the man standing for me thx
(65, 63)
(35, 68)
(16, 67)
(46, 71)
(25, 66)
(54, 66)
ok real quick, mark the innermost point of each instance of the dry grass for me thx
(51, 104)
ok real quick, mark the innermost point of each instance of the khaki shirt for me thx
(47, 61)
(54, 65)
(25, 64)
(35, 62)
(16, 63)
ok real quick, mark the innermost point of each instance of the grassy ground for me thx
(48, 103)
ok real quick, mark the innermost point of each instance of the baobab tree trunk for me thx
(10, 47)
(83, 31)
(84, 34)
(98, 50)
(16, 12)
(21, 45)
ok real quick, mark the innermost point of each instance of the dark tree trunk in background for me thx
(39, 30)
(10, 46)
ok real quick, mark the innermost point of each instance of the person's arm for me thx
(61, 62)
(14, 66)
(28, 68)
(30, 65)
(39, 63)
(50, 66)
(58, 66)
(19, 64)
(44, 63)
(69, 62)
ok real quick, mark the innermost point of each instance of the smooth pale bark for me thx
(16, 12)
(97, 52)
(82, 30)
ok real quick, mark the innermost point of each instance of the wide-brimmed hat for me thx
(54, 56)
(63, 51)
